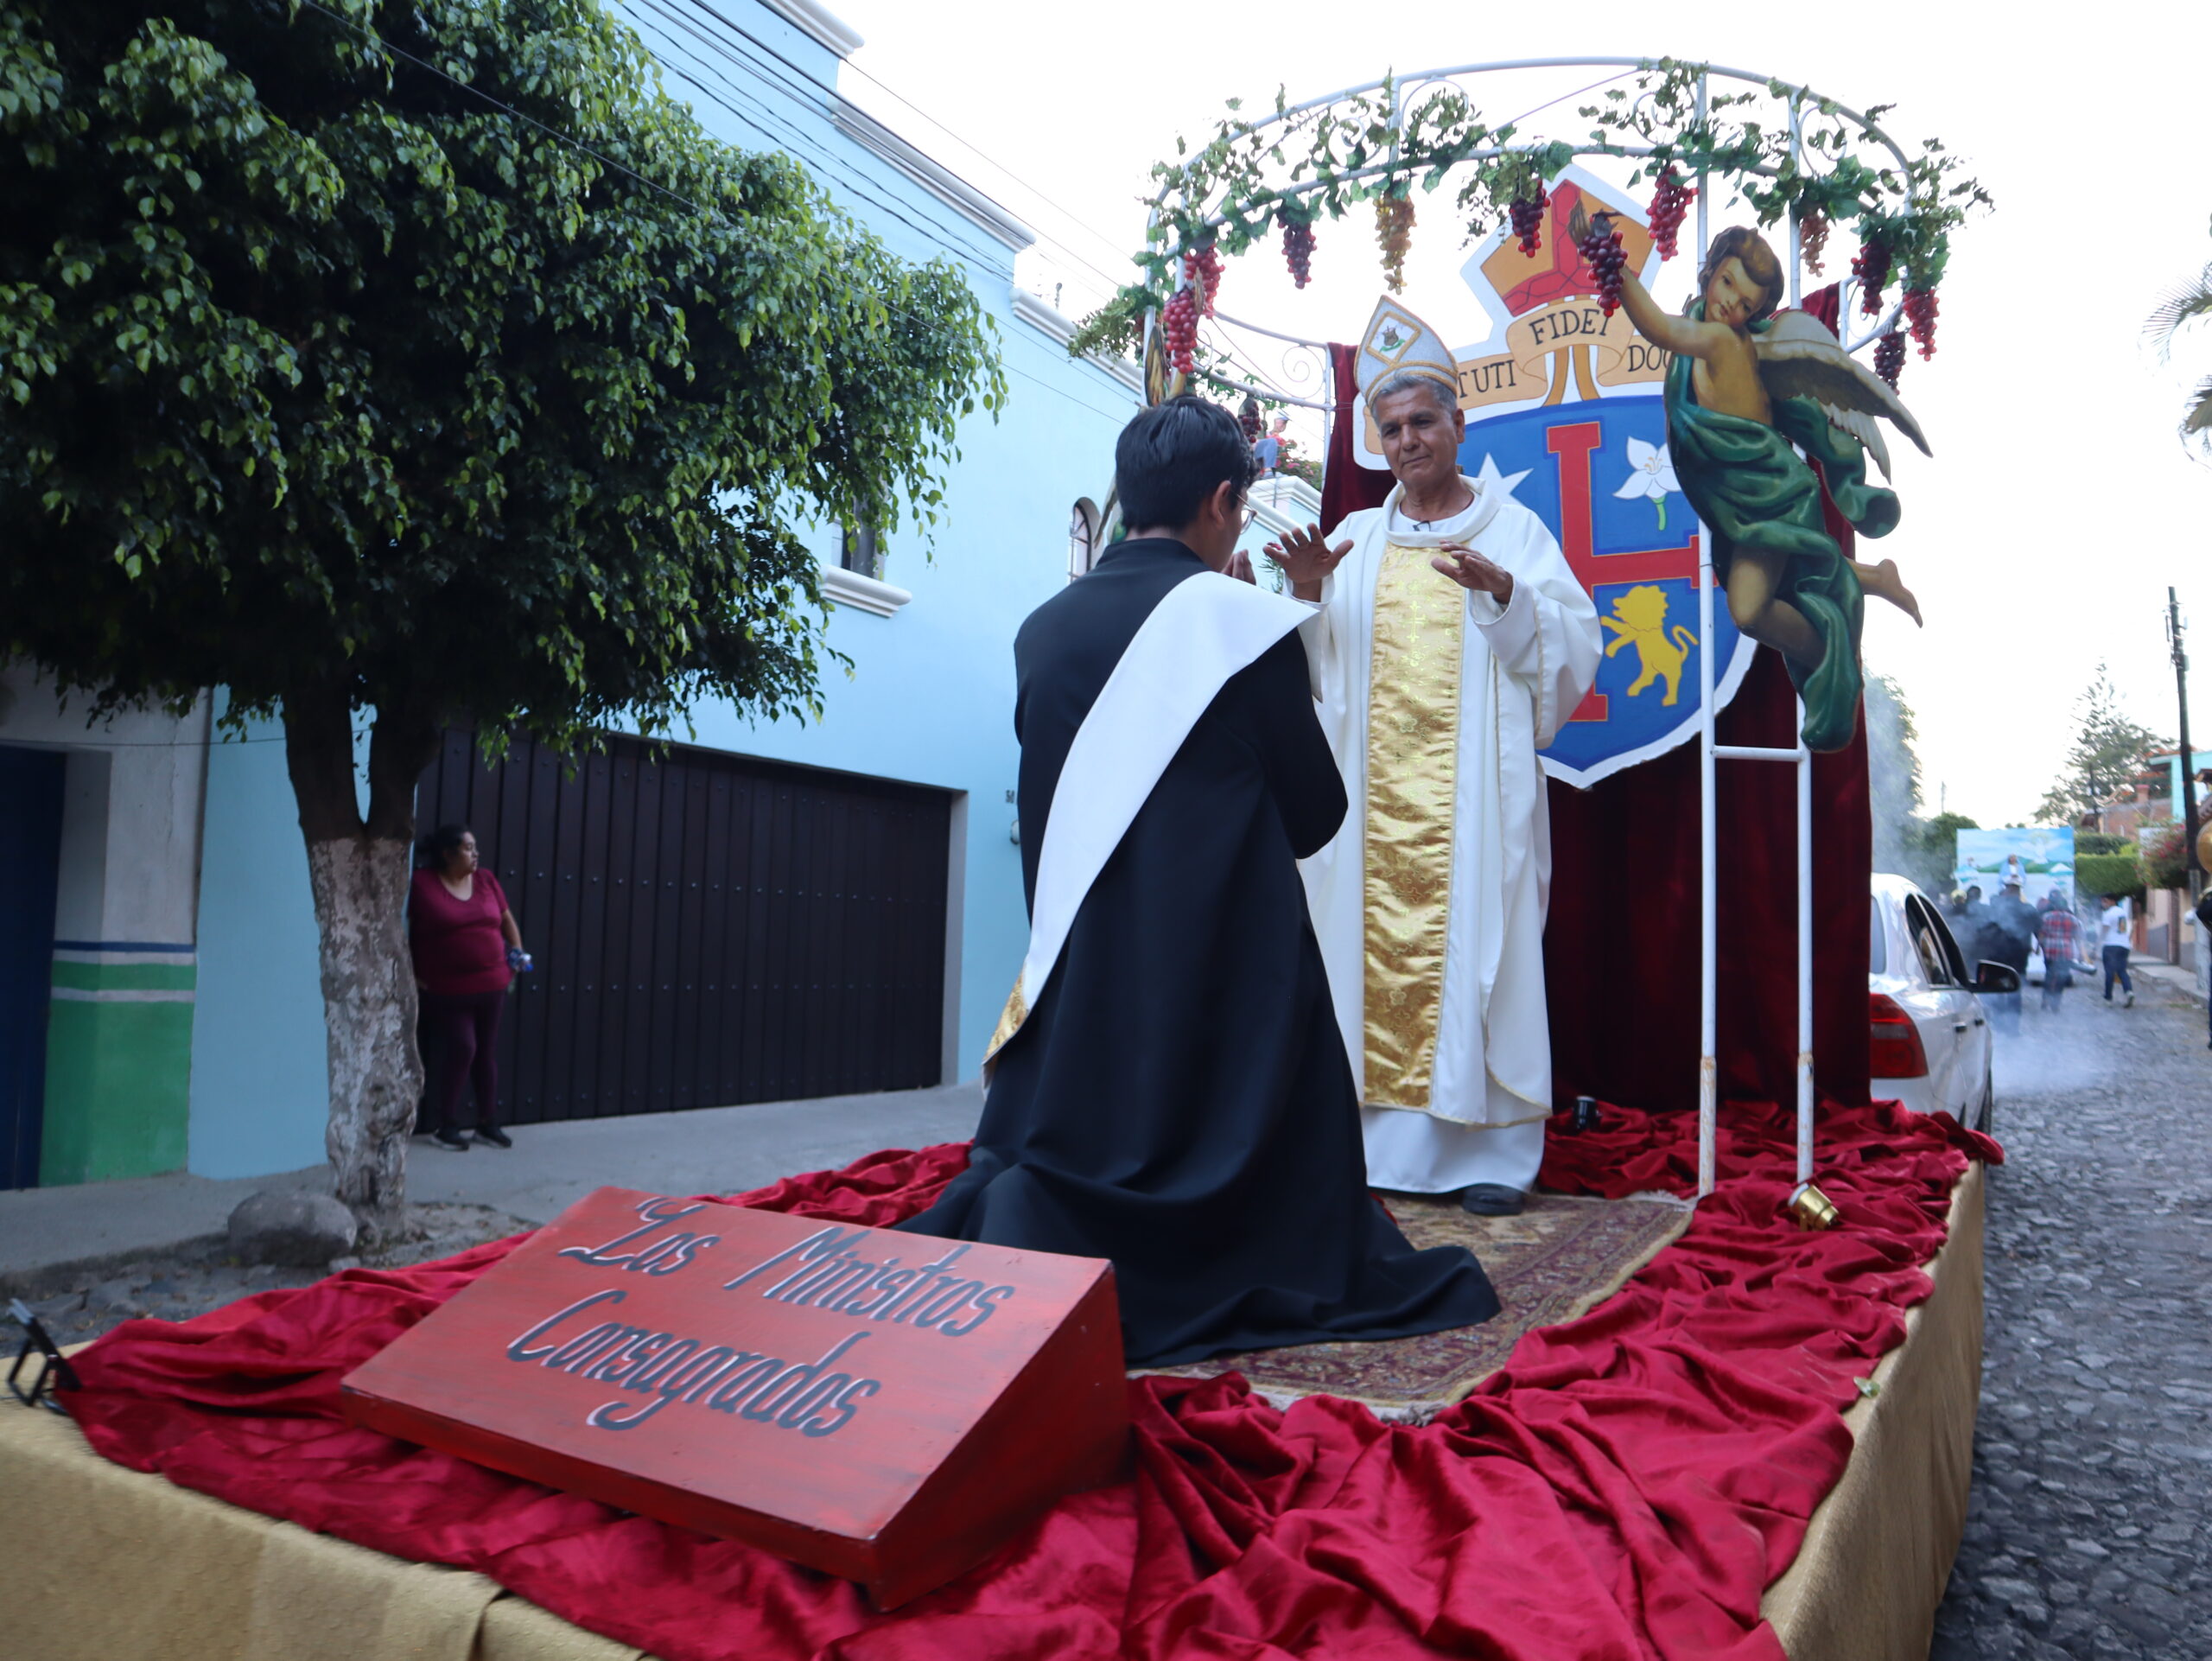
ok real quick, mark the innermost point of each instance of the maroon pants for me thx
(460, 1034)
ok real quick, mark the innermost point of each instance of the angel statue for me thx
(1744, 386)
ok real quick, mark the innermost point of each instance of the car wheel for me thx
(1985, 1120)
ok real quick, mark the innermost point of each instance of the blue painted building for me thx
(922, 727)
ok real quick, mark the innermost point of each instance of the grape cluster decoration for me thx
(1297, 246)
(1394, 232)
(1670, 200)
(1920, 318)
(1178, 330)
(1871, 265)
(1202, 270)
(1526, 214)
(1888, 358)
(1813, 239)
(1602, 252)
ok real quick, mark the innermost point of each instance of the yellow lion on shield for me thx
(1640, 615)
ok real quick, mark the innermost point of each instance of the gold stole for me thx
(1412, 755)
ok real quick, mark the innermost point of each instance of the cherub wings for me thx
(1800, 359)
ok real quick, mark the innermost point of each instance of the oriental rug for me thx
(1559, 1258)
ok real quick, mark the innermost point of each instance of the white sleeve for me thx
(1546, 636)
(1319, 635)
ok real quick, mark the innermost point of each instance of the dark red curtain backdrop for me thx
(1621, 948)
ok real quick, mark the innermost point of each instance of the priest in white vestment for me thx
(1452, 643)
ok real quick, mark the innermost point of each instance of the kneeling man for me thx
(1170, 1090)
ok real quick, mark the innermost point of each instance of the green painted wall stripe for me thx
(117, 1087)
(126, 977)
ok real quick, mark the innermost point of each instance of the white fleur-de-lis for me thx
(1650, 475)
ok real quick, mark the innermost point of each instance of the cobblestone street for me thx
(2091, 1503)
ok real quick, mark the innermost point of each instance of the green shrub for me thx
(2098, 875)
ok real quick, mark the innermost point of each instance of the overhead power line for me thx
(829, 90)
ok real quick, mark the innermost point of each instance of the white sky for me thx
(2060, 505)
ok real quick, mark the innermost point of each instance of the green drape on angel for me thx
(1753, 490)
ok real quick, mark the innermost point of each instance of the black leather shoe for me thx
(452, 1139)
(493, 1133)
(1492, 1199)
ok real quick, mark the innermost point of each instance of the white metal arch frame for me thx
(1710, 751)
(1794, 95)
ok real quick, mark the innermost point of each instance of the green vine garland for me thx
(1246, 180)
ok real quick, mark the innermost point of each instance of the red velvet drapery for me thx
(1621, 947)
(1625, 1488)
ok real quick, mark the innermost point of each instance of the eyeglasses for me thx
(53, 1368)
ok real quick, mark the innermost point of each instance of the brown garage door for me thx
(709, 929)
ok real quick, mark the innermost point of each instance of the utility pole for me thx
(2196, 872)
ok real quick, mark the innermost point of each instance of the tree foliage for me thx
(317, 371)
(2108, 751)
(2098, 875)
(425, 359)
(1893, 775)
(1924, 850)
(2165, 858)
(2186, 304)
(1934, 854)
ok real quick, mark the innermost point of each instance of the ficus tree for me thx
(388, 363)
(2107, 753)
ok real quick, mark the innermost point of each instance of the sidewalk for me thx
(711, 1151)
(2172, 974)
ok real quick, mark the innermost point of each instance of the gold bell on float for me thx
(1812, 1209)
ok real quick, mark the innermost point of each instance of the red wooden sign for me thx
(886, 1407)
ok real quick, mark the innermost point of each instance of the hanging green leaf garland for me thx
(1250, 182)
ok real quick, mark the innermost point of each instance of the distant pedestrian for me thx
(466, 945)
(1973, 926)
(2007, 938)
(1267, 451)
(2204, 936)
(2059, 933)
(2112, 935)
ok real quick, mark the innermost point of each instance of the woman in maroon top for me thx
(461, 932)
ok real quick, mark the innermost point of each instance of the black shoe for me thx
(1492, 1199)
(493, 1133)
(452, 1139)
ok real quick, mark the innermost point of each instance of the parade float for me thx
(1567, 400)
(1699, 1429)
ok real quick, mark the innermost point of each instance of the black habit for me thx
(1180, 1100)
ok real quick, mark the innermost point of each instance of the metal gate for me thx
(709, 929)
(30, 851)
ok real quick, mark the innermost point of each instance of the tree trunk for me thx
(358, 869)
(369, 1007)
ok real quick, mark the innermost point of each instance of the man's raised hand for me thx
(1475, 573)
(1305, 558)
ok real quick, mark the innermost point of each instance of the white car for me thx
(1930, 1046)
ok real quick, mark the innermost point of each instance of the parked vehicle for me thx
(1930, 1037)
